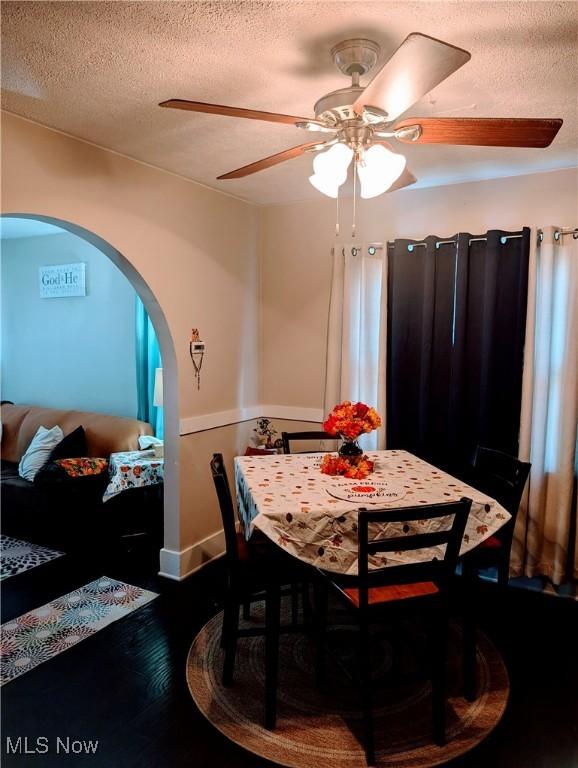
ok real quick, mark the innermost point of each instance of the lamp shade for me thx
(158, 391)
(377, 171)
(330, 169)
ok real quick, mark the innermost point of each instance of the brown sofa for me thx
(74, 516)
(104, 434)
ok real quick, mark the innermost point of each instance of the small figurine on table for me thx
(264, 433)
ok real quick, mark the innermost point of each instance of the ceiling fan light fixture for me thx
(378, 170)
(326, 186)
(330, 169)
(337, 158)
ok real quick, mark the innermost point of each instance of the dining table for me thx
(313, 517)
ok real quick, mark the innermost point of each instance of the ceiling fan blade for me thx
(219, 109)
(268, 162)
(479, 131)
(419, 64)
(405, 180)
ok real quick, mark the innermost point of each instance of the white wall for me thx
(296, 242)
(76, 352)
(193, 255)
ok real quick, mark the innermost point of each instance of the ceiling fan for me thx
(359, 120)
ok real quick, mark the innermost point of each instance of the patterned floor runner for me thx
(41, 634)
(18, 556)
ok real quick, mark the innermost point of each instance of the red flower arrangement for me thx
(354, 468)
(351, 420)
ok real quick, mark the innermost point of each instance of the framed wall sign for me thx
(61, 280)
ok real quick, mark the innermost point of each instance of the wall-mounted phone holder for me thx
(197, 353)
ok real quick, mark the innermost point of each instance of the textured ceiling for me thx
(97, 70)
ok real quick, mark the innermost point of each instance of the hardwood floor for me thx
(126, 688)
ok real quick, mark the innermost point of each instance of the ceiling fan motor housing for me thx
(337, 106)
(356, 56)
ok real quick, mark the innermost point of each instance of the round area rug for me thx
(317, 729)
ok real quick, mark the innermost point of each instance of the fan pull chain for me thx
(354, 194)
(337, 213)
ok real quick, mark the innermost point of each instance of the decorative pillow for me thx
(74, 444)
(84, 475)
(83, 466)
(38, 452)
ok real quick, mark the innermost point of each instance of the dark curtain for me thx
(456, 324)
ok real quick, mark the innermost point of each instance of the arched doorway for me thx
(170, 394)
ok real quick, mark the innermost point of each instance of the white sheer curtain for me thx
(549, 410)
(357, 332)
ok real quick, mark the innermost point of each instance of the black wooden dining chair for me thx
(288, 437)
(252, 568)
(503, 477)
(382, 592)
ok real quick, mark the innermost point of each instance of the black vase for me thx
(350, 448)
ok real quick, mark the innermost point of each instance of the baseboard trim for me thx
(192, 424)
(177, 565)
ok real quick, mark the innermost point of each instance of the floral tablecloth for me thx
(132, 469)
(314, 516)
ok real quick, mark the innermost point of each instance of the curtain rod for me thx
(561, 232)
(411, 246)
(557, 235)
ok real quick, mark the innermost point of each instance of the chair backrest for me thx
(406, 537)
(501, 476)
(287, 437)
(226, 504)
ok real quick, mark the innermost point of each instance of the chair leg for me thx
(306, 603)
(396, 652)
(319, 629)
(439, 664)
(366, 690)
(470, 601)
(229, 636)
(294, 603)
(223, 626)
(504, 572)
(226, 609)
(272, 620)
